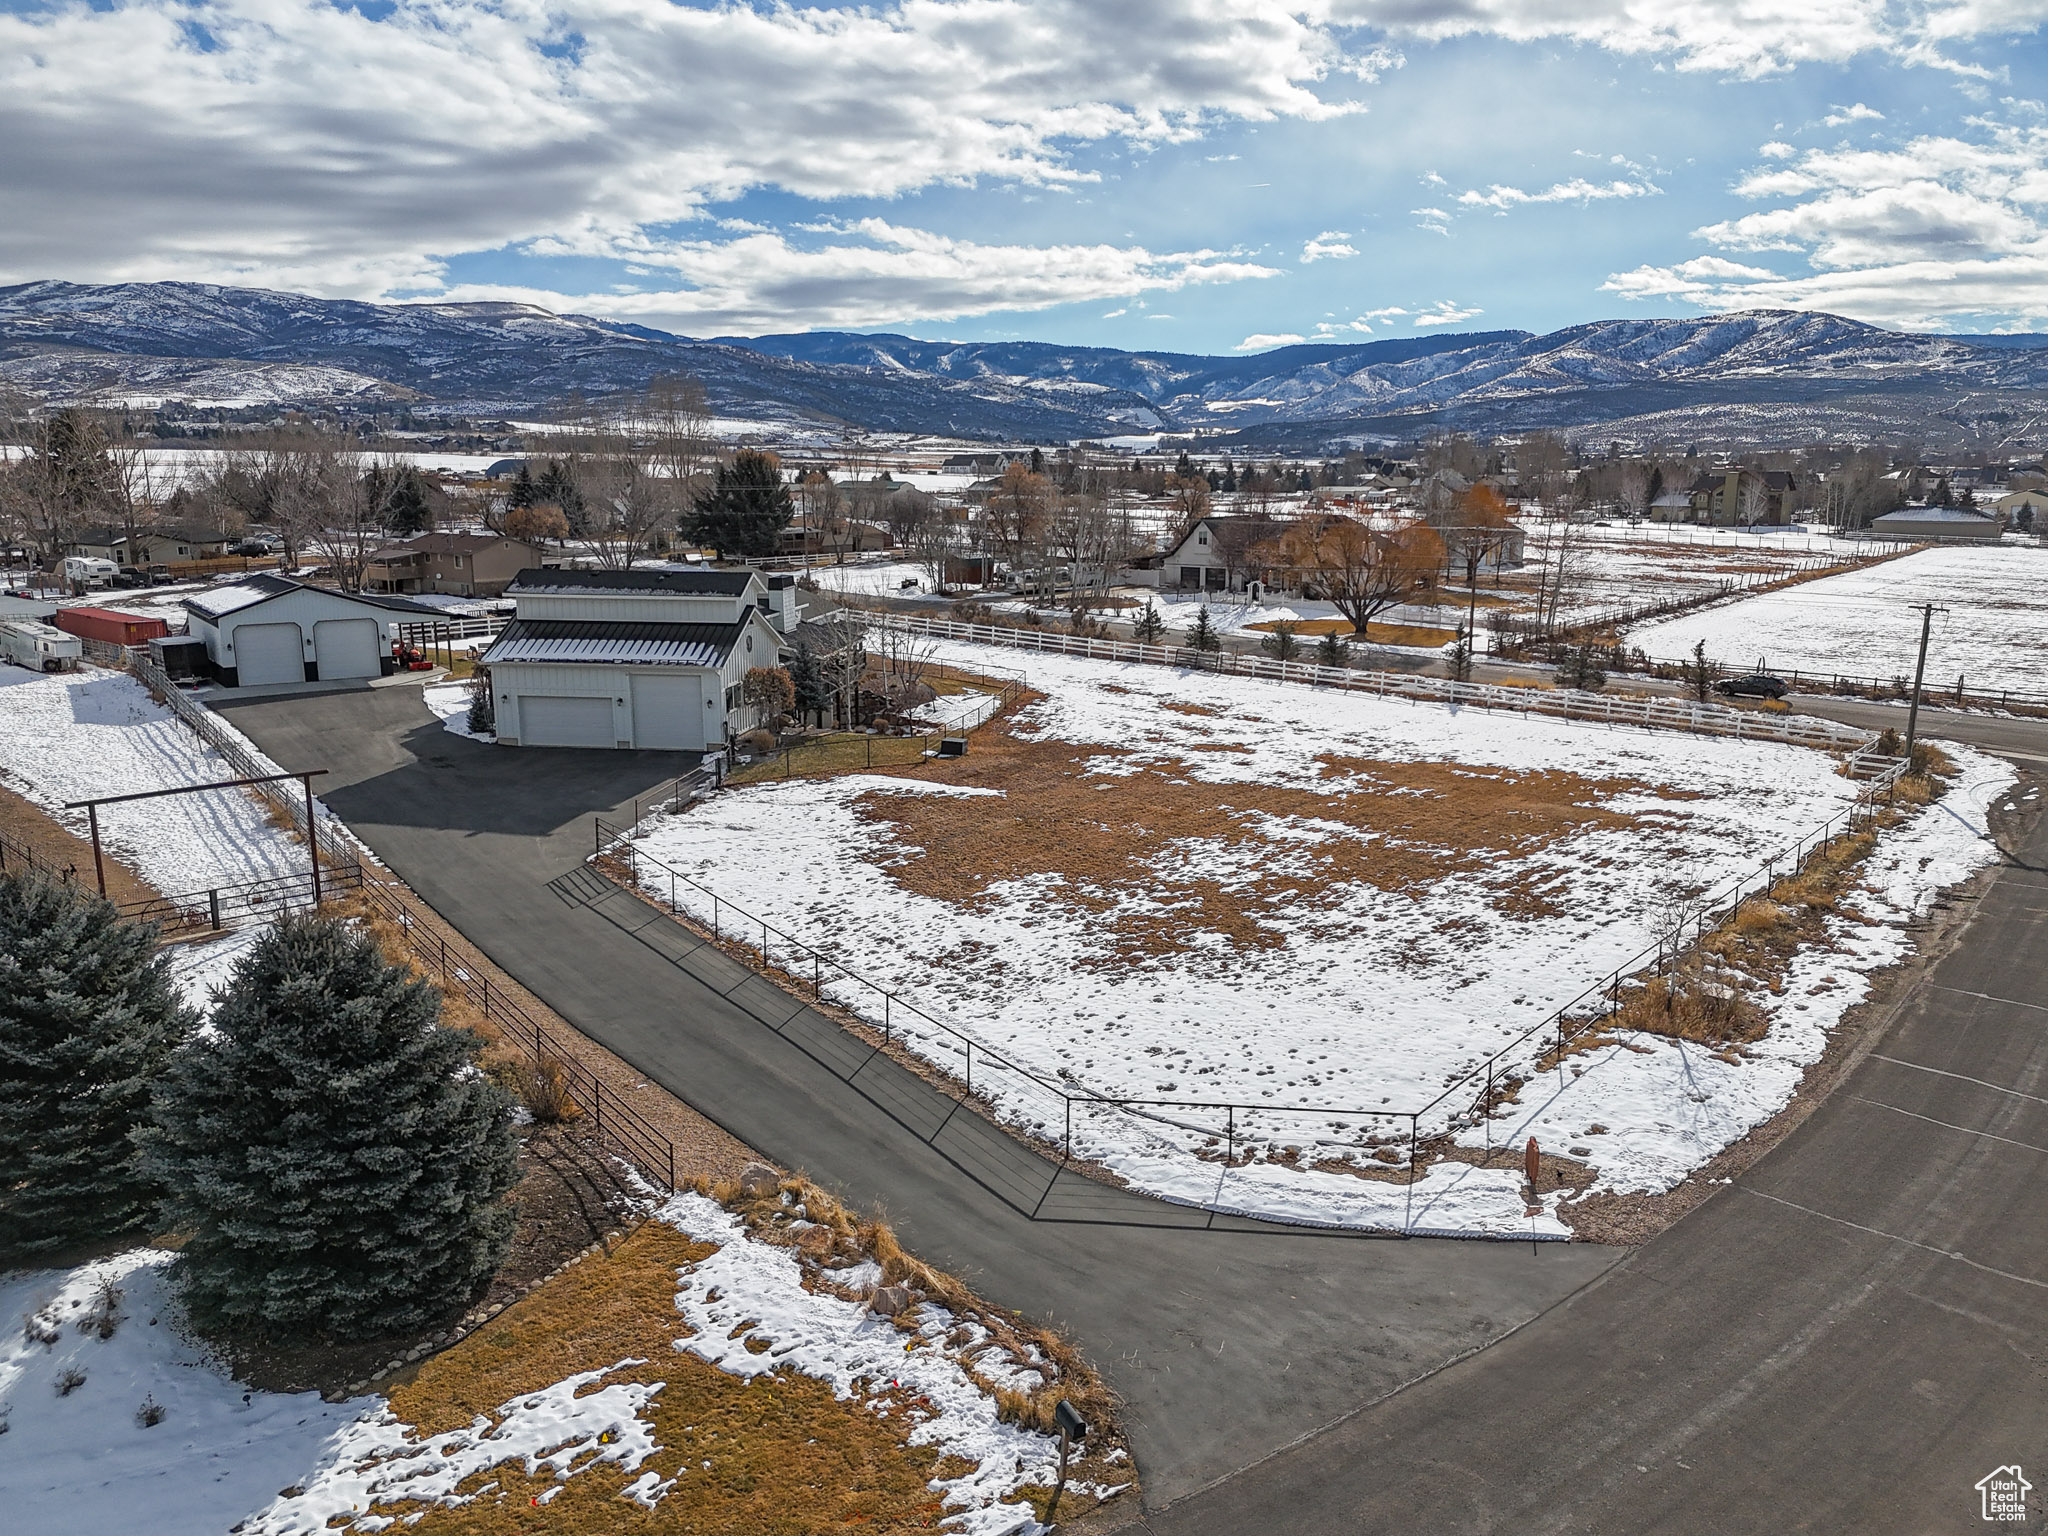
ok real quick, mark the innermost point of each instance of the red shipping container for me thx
(105, 624)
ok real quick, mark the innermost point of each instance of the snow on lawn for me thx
(451, 702)
(1667, 1106)
(1863, 623)
(82, 1461)
(870, 580)
(1288, 898)
(73, 736)
(746, 1292)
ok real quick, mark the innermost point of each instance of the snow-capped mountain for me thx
(1766, 371)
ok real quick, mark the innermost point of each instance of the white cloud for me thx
(1777, 149)
(1577, 190)
(1363, 324)
(1739, 37)
(1436, 220)
(1265, 342)
(1444, 313)
(1856, 114)
(1939, 229)
(1330, 243)
(303, 143)
(874, 273)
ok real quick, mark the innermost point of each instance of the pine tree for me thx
(334, 1160)
(1331, 651)
(1281, 644)
(746, 507)
(813, 691)
(88, 1016)
(1203, 636)
(1149, 626)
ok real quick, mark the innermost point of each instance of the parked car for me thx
(131, 578)
(255, 546)
(1757, 685)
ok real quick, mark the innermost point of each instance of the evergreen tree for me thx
(807, 677)
(88, 1016)
(1203, 636)
(524, 492)
(557, 488)
(1281, 644)
(406, 509)
(1149, 626)
(1037, 461)
(328, 1149)
(1331, 651)
(744, 510)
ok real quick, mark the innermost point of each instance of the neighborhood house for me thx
(655, 658)
(454, 564)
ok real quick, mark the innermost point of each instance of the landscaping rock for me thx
(889, 1300)
(759, 1181)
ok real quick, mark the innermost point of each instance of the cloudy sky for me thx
(1197, 175)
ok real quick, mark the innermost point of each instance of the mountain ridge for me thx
(1786, 370)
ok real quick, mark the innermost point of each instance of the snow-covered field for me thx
(875, 580)
(1864, 623)
(76, 736)
(82, 1461)
(1281, 898)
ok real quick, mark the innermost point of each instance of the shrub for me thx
(1148, 626)
(332, 1156)
(1202, 636)
(483, 709)
(1332, 651)
(1281, 644)
(88, 1016)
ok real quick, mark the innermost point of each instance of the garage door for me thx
(546, 721)
(668, 713)
(269, 653)
(346, 648)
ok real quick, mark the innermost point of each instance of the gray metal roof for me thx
(645, 579)
(262, 586)
(589, 640)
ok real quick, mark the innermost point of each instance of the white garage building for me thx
(652, 659)
(270, 629)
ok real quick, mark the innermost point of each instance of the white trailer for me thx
(39, 647)
(82, 571)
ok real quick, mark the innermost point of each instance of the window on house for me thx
(1202, 538)
(732, 698)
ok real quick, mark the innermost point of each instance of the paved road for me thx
(1227, 1343)
(1846, 1339)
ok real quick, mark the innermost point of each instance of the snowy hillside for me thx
(200, 342)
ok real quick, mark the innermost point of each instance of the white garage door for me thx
(668, 713)
(346, 648)
(269, 653)
(546, 721)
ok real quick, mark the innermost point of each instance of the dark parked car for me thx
(1758, 685)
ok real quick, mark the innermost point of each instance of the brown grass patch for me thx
(1104, 836)
(786, 1457)
(57, 848)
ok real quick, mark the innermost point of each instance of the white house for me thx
(270, 629)
(651, 658)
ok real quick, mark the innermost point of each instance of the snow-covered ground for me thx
(880, 579)
(1865, 624)
(1341, 987)
(83, 1462)
(76, 736)
(450, 701)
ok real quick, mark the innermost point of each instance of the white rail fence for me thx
(1562, 703)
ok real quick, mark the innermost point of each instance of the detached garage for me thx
(652, 686)
(267, 629)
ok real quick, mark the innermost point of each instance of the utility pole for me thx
(1919, 673)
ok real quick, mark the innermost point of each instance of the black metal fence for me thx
(1227, 1126)
(460, 969)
